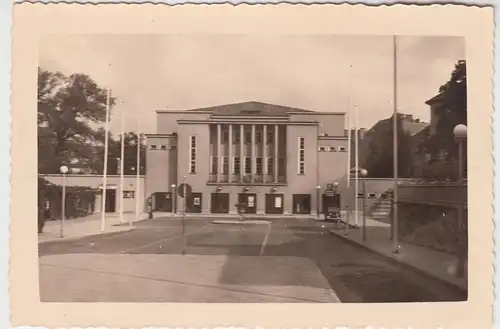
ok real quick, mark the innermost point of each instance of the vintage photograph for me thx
(218, 168)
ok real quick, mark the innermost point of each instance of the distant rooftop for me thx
(250, 108)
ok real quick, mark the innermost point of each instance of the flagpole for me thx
(105, 169)
(356, 160)
(348, 151)
(349, 129)
(122, 162)
(138, 170)
(395, 229)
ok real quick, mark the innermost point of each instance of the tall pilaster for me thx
(230, 154)
(219, 158)
(242, 152)
(264, 153)
(254, 157)
(276, 162)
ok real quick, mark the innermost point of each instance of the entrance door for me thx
(331, 202)
(301, 203)
(163, 201)
(219, 203)
(274, 203)
(250, 202)
(110, 200)
(194, 203)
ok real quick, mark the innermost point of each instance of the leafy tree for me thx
(130, 155)
(379, 160)
(451, 110)
(68, 108)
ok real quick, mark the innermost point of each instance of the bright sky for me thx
(177, 72)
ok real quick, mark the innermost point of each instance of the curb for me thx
(404, 264)
(73, 238)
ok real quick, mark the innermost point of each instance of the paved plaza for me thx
(279, 260)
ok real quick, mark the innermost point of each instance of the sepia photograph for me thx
(284, 166)
(192, 169)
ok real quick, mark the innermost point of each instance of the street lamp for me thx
(64, 170)
(460, 132)
(318, 188)
(364, 173)
(174, 198)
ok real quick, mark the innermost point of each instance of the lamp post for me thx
(364, 173)
(174, 198)
(336, 195)
(318, 188)
(64, 170)
(460, 132)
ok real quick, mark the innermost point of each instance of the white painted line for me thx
(240, 222)
(268, 232)
(166, 239)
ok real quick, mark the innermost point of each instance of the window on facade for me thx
(248, 165)
(270, 166)
(128, 194)
(258, 137)
(258, 167)
(225, 165)
(225, 136)
(192, 154)
(270, 136)
(152, 147)
(236, 165)
(163, 147)
(342, 149)
(302, 159)
(333, 149)
(213, 165)
(236, 137)
(248, 137)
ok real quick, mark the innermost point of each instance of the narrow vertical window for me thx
(236, 164)
(248, 165)
(270, 166)
(259, 166)
(302, 159)
(192, 154)
(225, 165)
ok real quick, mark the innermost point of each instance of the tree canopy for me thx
(379, 160)
(69, 110)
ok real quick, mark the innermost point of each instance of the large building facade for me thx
(273, 159)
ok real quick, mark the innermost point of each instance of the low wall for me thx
(428, 216)
(374, 188)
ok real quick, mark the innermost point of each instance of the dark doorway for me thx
(301, 203)
(331, 202)
(163, 201)
(219, 203)
(110, 200)
(250, 202)
(194, 203)
(274, 203)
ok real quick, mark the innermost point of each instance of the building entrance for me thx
(250, 202)
(163, 201)
(274, 203)
(219, 203)
(194, 203)
(110, 205)
(301, 203)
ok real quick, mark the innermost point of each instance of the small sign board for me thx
(184, 190)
